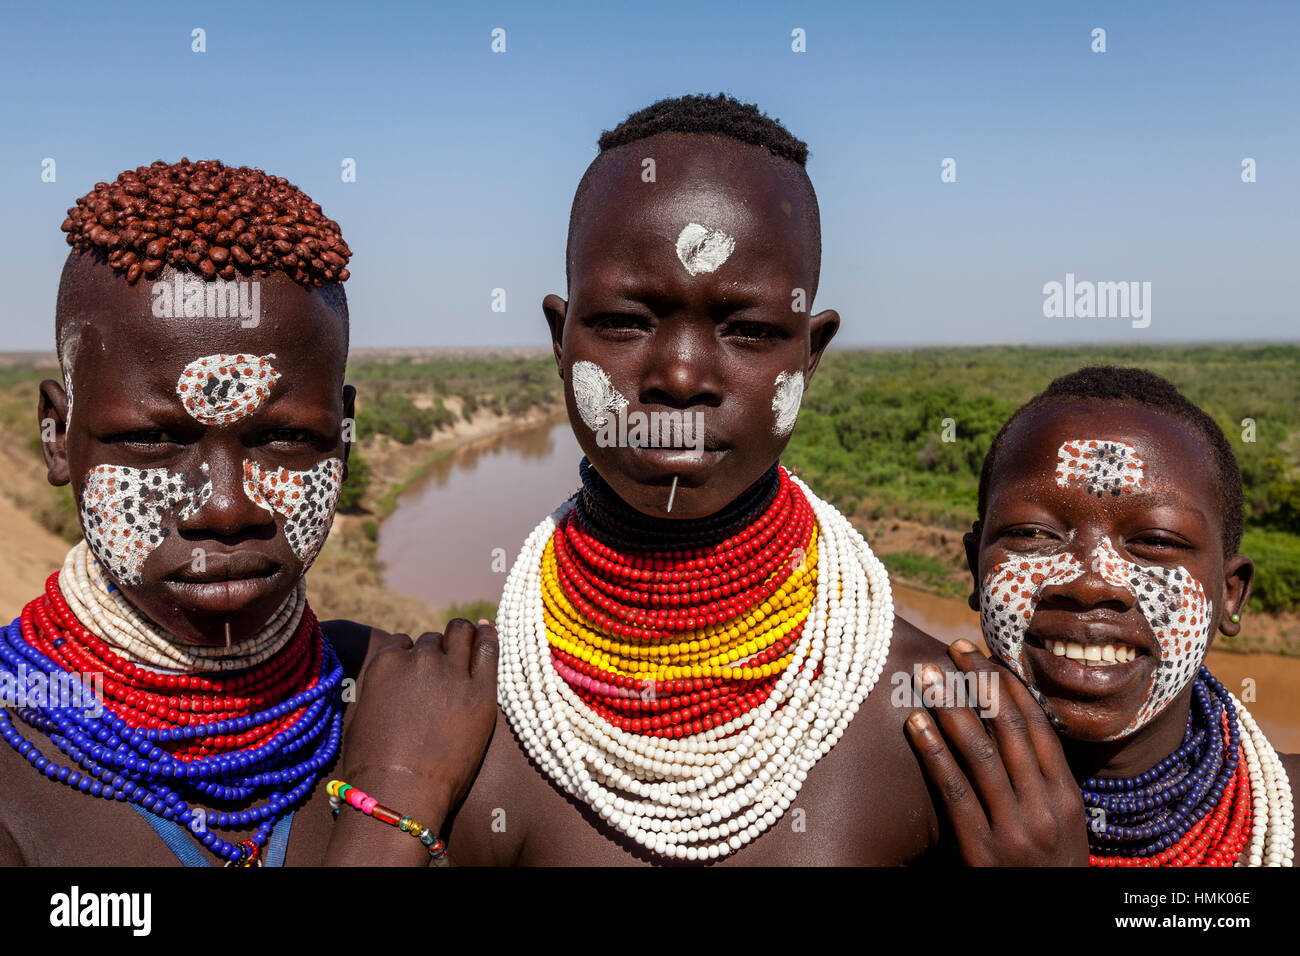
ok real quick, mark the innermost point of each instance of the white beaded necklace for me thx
(1272, 834)
(110, 616)
(707, 795)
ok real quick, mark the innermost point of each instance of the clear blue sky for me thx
(1117, 166)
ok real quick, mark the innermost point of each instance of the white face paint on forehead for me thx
(702, 249)
(786, 401)
(222, 389)
(1170, 599)
(1098, 466)
(594, 394)
(307, 499)
(122, 511)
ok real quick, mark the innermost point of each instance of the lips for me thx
(658, 465)
(1087, 658)
(227, 582)
(220, 566)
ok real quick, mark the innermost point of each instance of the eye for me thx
(1155, 541)
(751, 331)
(1028, 536)
(618, 325)
(1026, 533)
(288, 436)
(145, 438)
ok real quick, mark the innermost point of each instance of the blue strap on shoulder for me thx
(278, 845)
(188, 852)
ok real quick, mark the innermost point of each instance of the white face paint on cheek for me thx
(306, 498)
(786, 402)
(1099, 467)
(594, 394)
(1008, 597)
(67, 387)
(702, 249)
(122, 511)
(1175, 605)
(221, 389)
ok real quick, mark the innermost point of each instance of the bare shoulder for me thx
(492, 824)
(353, 643)
(16, 798)
(911, 645)
(873, 768)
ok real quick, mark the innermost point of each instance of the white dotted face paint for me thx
(306, 498)
(1007, 601)
(1099, 467)
(1175, 605)
(221, 389)
(702, 249)
(1172, 601)
(122, 511)
(786, 401)
(594, 394)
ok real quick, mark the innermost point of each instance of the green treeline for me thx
(869, 436)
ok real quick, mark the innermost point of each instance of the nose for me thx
(228, 510)
(683, 371)
(1092, 588)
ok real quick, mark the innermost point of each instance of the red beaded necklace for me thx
(1217, 839)
(145, 698)
(653, 596)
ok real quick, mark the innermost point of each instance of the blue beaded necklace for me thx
(1150, 812)
(119, 762)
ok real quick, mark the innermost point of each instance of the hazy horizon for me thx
(1122, 166)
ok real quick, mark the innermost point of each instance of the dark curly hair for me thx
(215, 220)
(719, 115)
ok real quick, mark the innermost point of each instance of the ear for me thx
(1238, 573)
(555, 310)
(821, 329)
(52, 420)
(971, 541)
(349, 414)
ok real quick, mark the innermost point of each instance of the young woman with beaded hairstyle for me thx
(1104, 560)
(202, 332)
(692, 648)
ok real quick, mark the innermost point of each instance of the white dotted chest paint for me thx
(786, 401)
(702, 249)
(122, 511)
(1170, 599)
(222, 389)
(594, 394)
(1099, 467)
(306, 498)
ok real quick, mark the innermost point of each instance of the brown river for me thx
(454, 536)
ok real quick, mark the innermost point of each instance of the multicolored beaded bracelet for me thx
(341, 793)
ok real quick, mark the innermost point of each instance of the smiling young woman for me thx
(1104, 561)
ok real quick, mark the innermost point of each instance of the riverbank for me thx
(417, 408)
(347, 580)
